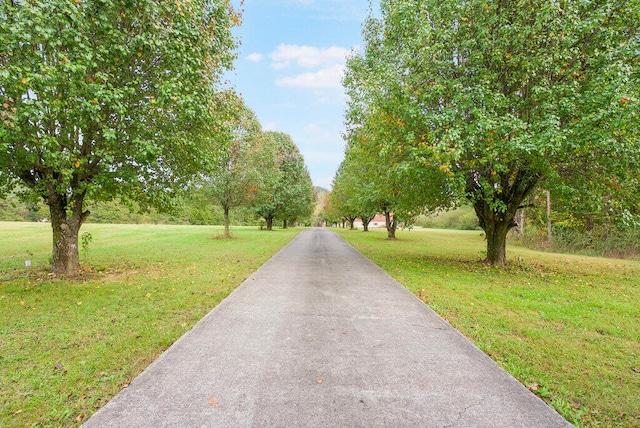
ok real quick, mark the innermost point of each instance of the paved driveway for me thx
(321, 337)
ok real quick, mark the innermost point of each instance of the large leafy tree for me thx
(383, 171)
(299, 195)
(602, 186)
(331, 213)
(503, 96)
(108, 98)
(372, 179)
(287, 192)
(238, 171)
(343, 197)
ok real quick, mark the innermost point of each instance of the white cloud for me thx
(330, 77)
(307, 56)
(255, 57)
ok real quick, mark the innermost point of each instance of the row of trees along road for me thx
(289, 193)
(115, 100)
(490, 100)
(263, 171)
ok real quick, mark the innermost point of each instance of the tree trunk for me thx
(365, 222)
(498, 219)
(269, 222)
(65, 257)
(496, 226)
(497, 243)
(227, 232)
(391, 225)
(284, 223)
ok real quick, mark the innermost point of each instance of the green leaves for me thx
(100, 75)
(234, 176)
(109, 98)
(487, 100)
(287, 191)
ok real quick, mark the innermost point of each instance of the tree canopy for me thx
(503, 97)
(287, 192)
(109, 98)
(237, 172)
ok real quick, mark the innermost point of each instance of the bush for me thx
(13, 209)
(462, 218)
(603, 240)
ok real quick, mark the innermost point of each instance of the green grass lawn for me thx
(567, 327)
(67, 347)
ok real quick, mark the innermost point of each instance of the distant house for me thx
(378, 221)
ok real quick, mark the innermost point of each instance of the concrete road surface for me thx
(321, 337)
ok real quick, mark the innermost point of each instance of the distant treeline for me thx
(192, 211)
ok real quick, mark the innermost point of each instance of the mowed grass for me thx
(67, 347)
(567, 327)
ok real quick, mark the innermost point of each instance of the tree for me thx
(287, 192)
(381, 169)
(501, 95)
(587, 193)
(14, 209)
(320, 214)
(235, 175)
(331, 213)
(297, 194)
(108, 98)
(342, 196)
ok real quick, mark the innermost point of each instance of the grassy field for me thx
(567, 327)
(68, 347)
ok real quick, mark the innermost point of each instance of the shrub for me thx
(461, 218)
(603, 240)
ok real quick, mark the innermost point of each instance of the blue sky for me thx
(289, 70)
